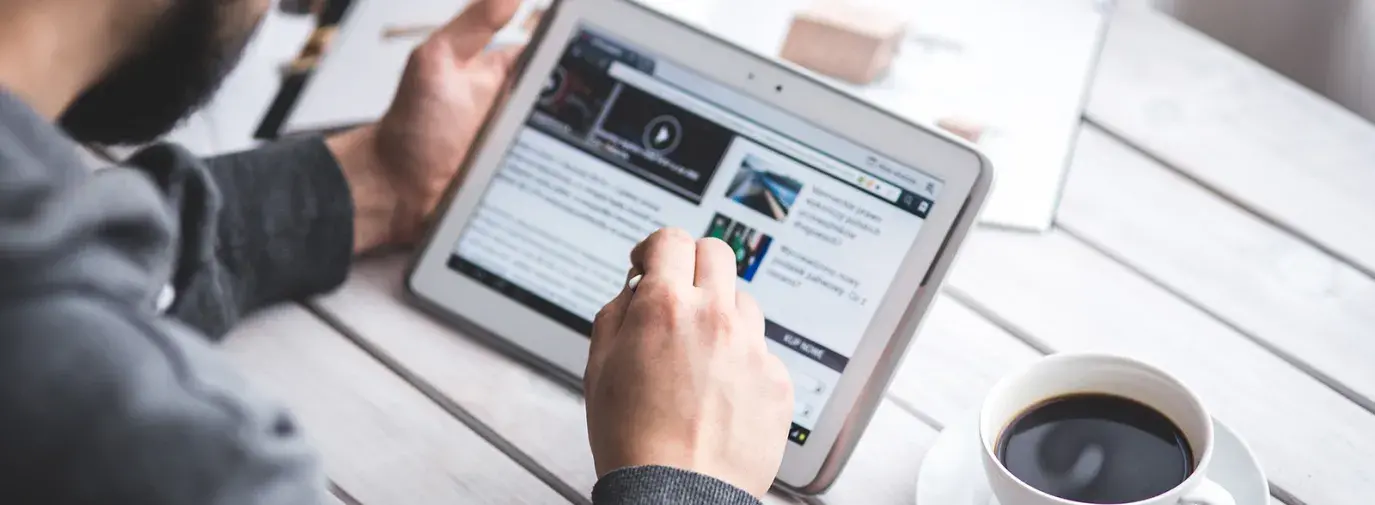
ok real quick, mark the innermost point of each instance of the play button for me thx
(663, 134)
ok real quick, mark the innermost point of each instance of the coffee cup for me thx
(1074, 429)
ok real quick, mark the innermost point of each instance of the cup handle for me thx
(1208, 493)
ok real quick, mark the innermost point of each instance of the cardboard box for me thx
(962, 127)
(844, 40)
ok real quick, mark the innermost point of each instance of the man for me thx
(114, 284)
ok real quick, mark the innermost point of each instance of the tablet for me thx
(620, 121)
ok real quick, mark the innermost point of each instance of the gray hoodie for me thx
(115, 285)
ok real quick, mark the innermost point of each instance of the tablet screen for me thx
(622, 143)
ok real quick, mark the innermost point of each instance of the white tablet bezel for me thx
(963, 171)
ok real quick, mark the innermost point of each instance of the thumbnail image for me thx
(759, 187)
(675, 148)
(749, 244)
(574, 94)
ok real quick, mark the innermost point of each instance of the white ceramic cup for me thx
(1065, 374)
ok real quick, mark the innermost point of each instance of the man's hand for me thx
(679, 375)
(399, 168)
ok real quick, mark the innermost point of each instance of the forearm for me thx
(377, 208)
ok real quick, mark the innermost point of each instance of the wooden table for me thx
(1218, 222)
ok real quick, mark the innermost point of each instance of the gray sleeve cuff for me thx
(278, 226)
(287, 221)
(662, 485)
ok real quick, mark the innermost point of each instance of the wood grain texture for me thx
(1281, 150)
(1314, 443)
(381, 440)
(1308, 306)
(956, 358)
(542, 419)
(959, 352)
(547, 421)
(885, 464)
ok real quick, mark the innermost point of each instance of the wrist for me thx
(376, 201)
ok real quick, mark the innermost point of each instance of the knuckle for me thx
(426, 55)
(606, 312)
(493, 76)
(715, 249)
(718, 321)
(779, 378)
(748, 306)
(750, 317)
(673, 236)
(485, 82)
(664, 298)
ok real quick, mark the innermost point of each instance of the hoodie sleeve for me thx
(257, 227)
(102, 399)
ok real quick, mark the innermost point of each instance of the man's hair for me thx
(172, 71)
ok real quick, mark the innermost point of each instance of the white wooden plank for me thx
(382, 441)
(1314, 443)
(1282, 150)
(884, 467)
(1306, 304)
(539, 417)
(546, 420)
(957, 356)
(334, 497)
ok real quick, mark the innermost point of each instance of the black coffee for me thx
(1096, 448)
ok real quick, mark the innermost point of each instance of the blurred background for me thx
(1326, 45)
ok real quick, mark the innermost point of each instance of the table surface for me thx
(1217, 222)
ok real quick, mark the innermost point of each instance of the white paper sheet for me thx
(1021, 68)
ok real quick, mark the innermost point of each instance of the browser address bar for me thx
(649, 84)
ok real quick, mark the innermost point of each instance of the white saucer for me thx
(952, 474)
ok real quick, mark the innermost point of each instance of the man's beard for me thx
(175, 71)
